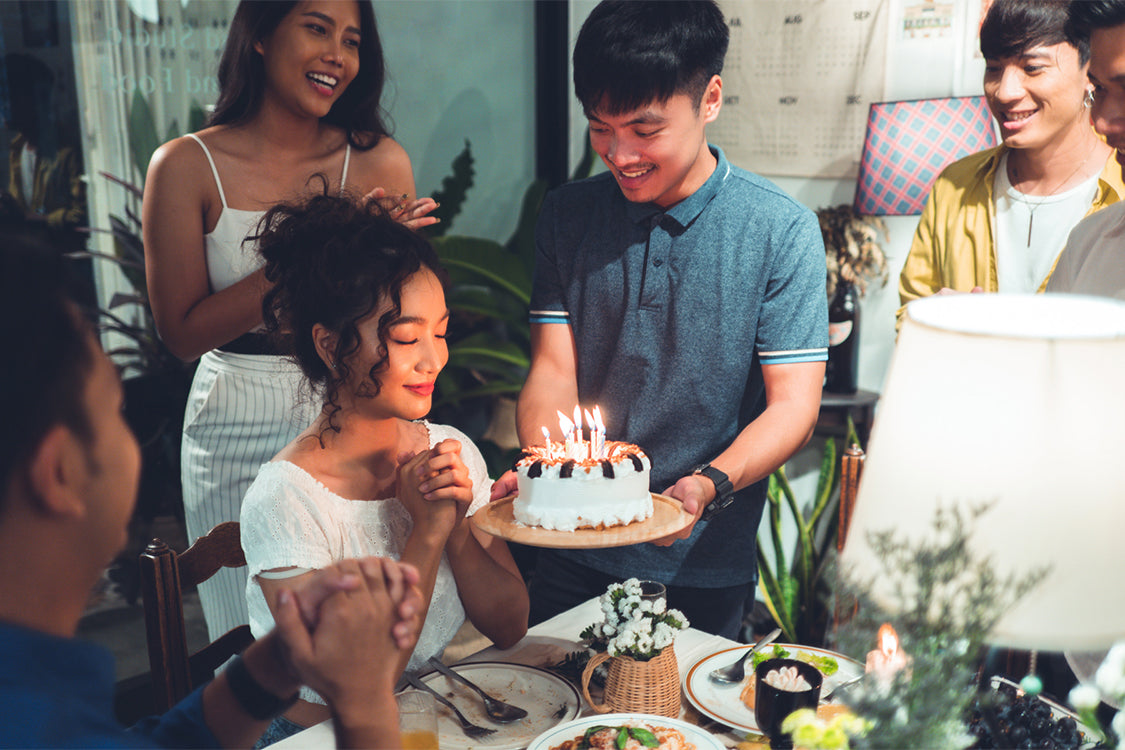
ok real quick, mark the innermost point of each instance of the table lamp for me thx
(908, 143)
(1017, 401)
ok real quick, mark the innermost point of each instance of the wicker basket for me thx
(645, 687)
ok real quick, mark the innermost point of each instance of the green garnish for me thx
(826, 664)
(622, 738)
(645, 737)
(777, 653)
(585, 743)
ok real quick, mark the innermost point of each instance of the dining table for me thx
(550, 642)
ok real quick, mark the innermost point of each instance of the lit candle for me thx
(593, 444)
(887, 660)
(547, 442)
(578, 449)
(567, 428)
(599, 431)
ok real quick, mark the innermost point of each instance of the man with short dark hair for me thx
(69, 470)
(1093, 261)
(683, 296)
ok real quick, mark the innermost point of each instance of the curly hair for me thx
(242, 74)
(332, 260)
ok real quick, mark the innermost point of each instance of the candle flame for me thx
(565, 424)
(888, 640)
(598, 419)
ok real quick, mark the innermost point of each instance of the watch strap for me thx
(260, 703)
(724, 490)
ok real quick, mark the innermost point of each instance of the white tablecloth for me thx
(547, 643)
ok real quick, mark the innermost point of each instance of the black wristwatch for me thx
(260, 703)
(724, 490)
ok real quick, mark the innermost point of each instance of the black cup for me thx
(771, 705)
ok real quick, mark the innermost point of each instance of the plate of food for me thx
(498, 519)
(733, 704)
(548, 699)
(628, 731)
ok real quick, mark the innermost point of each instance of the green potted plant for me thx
(489, 298)
(797, 590)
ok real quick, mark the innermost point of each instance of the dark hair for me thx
(242, 75)
(1012, 27)
(47, 354)
(1088, 15)
(332, 260)
(630, 53)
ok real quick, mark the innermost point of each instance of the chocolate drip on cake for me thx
(566, 470)
(523, 454)
(535, 469)
(637, 463)
(607, 468)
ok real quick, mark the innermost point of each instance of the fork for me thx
(469, 728)
(497, 710)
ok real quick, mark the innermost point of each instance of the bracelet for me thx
(255, 700)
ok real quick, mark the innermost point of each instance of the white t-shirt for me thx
(1031, 230)
(1094, 259)
(290, 519)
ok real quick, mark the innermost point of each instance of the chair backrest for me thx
(164, 575)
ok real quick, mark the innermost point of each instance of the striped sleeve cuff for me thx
(549, 316)
(794, 356)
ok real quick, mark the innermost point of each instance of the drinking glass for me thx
(417, 720)
(652, 590)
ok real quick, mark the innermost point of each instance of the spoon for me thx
(735, 672)
(497, 710)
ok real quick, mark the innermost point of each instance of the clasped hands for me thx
(435, 484)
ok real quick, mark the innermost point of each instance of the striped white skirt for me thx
(242, 410)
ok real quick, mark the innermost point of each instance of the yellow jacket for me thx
(953, 246)
(58, 190)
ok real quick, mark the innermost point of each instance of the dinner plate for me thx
(723, 703)
(548, 699)
(702, 739)
(667, 518)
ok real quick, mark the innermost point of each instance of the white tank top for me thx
(228, 259)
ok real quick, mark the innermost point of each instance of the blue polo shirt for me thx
(58, 692)
(674, 312)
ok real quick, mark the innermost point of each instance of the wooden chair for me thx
(164, 575)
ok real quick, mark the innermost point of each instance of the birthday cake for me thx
(565, 491)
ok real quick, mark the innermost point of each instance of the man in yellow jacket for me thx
(997, 220)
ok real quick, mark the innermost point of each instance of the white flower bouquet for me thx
(633, 625)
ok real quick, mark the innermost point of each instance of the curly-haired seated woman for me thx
(360, 299)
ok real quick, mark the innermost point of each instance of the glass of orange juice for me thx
(417, 720)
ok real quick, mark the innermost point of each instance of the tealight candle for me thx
(887, 660)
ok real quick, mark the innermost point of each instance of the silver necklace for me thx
(1033, 206)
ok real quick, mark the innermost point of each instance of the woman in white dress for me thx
(300, 84)
(363, 299)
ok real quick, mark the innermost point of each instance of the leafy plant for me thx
(797, 591)
(489, 299)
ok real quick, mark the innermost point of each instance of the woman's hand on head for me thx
(412, 213)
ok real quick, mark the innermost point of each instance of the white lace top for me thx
(289, 519)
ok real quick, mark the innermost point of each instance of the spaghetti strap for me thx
(344, 176)
(215, 172)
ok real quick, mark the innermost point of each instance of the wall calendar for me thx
(799, 78)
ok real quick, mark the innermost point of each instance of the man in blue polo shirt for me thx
(682, 295)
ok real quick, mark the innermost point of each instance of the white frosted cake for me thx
(565, 494)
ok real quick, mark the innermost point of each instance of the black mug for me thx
(772, 705)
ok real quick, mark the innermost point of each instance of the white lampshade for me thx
(1017, 401)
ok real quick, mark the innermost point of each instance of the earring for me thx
(1088, 100)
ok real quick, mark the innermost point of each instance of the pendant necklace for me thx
(1032, 207)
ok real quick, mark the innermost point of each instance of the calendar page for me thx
(798, 80)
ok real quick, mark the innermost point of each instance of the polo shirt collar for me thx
(686, 211)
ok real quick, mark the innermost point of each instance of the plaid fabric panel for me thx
(908, 144)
